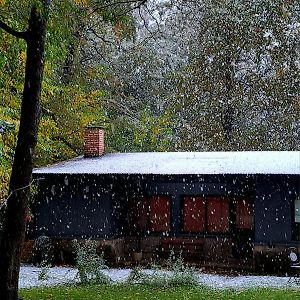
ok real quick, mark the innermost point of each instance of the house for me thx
(234, 209)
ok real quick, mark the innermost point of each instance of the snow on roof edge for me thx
(182, 163)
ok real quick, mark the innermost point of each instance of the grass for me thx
(142, 292)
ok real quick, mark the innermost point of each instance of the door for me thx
(243, 231)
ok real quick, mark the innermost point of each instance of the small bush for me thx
(43, 251)
(137, 275)
(43, 274)
(178, 274)
(90, 265)
(181, 274)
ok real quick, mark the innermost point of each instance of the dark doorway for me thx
(243, 228)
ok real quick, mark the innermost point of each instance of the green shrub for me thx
(181, 274)
(178, 274)
(43, 252)
(137, 276)
(89, 264)
(44, 273)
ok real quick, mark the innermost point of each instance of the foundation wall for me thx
(199, 251)
(62, 252)
(273, 259)
(210, 251)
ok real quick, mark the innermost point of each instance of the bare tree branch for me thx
(17, 34)
(152, 34)
(138, 3)
(100, 37)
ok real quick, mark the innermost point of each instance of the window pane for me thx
(194, 214)
(160, 213)
(244, 214)
(296, 219)
(217, 214)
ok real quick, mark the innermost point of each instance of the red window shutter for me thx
(217, 214)
(194, 214)
(244, 214)
(160, 213)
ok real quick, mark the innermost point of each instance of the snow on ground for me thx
(60, 275)
(56, 275)
(244, 282)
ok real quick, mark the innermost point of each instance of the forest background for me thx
(166, 76)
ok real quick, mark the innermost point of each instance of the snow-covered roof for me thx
(253, 162)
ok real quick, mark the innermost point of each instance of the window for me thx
(194, 214)
(206, 214)
(159, 213)
(217, 214)
(296, 220)
(244, 214)
(150, 213)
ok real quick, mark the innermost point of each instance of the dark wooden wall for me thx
(273, 208)
(74, 207)
(91, 206)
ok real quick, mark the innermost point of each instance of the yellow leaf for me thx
(155, 130)
(22, 55)
(80, 2)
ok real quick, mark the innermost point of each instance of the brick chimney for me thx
(93, 141)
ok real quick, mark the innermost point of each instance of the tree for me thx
(74, 87)
(14, 221)
(13, 231)
(237, 91)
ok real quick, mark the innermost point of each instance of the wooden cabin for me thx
(224, 209)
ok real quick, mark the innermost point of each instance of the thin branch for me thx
(102, 38)
(16, 190)
(68, 144)
(17, 34)
(138, 6)
(94, 48)
(153, 18)
(116, 3)
(152, 33)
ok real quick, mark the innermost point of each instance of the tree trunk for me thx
(72, 55)
(228, 110)
(14, 220)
